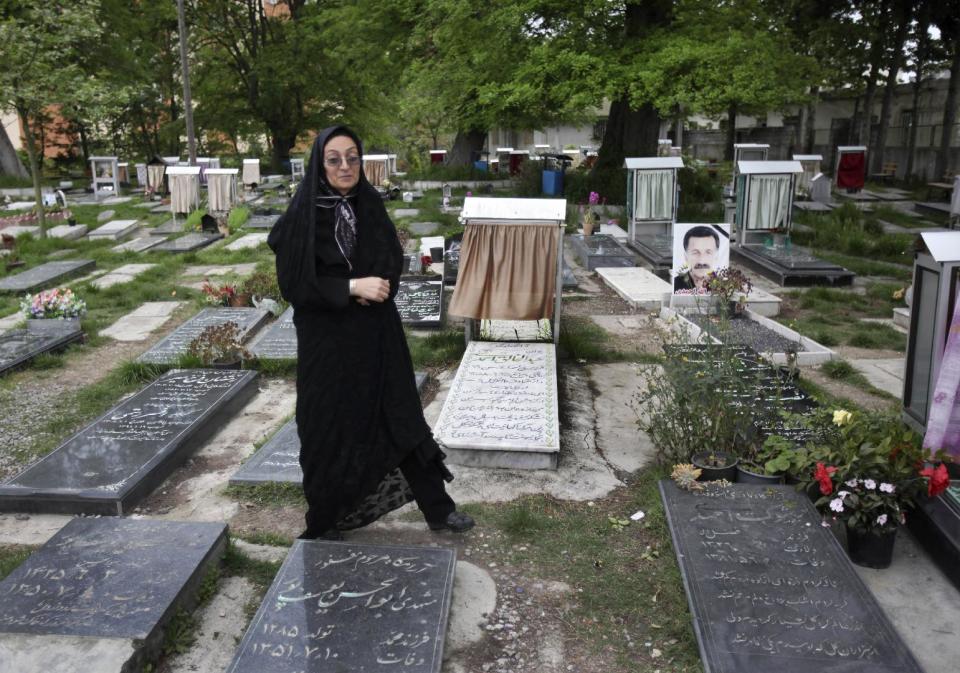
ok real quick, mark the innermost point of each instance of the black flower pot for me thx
(748, 476)
(727, 468)
(869, 549)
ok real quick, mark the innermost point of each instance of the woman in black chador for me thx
(365, 448)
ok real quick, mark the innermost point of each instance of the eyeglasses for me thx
(334, 162)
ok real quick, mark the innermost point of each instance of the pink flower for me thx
(836, 504)
(886, 488)
(882, 520)
(869, 484)
(594, 198)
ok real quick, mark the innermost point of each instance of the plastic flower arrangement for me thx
(727, 282)
(58, 303)
(872, 469)
(218, 295)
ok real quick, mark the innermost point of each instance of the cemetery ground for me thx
(557, 576)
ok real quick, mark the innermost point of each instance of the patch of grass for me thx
(867, 267)
(237, 217)
(181, 632)
(265, 538)
(841, 370)
(47, 361)
(12, 556)
(280, 368)
(132, 372)
(269, 493)
(441, 349)
(583, 339)
(824, 397)
(877, 336)
(523, 519)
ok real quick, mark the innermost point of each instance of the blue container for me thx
(553, 183)
(480, 165)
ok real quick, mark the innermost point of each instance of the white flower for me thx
(886, 488)
(852, 483)
(836, 504)
(882, 520)
(842, 494)
(869, 484)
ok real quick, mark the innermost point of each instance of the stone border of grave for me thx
(815, 354)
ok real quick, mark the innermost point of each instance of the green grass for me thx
(841, 370)
(868, 267)
(12, 556)
(269, 493)
(848, 231)
(442, 349)
(582, 339)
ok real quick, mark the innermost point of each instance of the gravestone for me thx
(568, 280)
(637, 286)
(516, 330)
(770, 589)
(99, 594)
(423, 228)
(820, 189)
(279, 341)
(501, 410)
(600, 250)
(114, 230)
(175, 344)
(45, 276)
(110, 465)
(419, 301)
(188, 243)
(451, 259)
(19, 346)
(139, 323)
(160, 209)
(167, 228)
(105, 215)
(406, 212)
(20, 230)
(139, 244)
(261, 221)
(121, 275)
(248, 241)
(67, 232)
(279, 459)
(340, 606)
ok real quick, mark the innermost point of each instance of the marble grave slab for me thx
(261, 221)
(100, 593)
(277, 342)
(46, 275)
(114, 462)
(342, 606)
(248, 241)
(121, 275)
(139, 323)
(139, 244)
(67, 232)
(19, 346)
(188, 243)
(639, 287)
(600, 250)
(175, 344)
(167, 228)
(501, 410)
(114, 230)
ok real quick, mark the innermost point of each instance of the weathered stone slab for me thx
(423, 228)
(120, 275)
(45, 276)
(99, 594)
(188, 243)
(169, 349)
(167, 228)
(248, 241)
(419, 300)
(770, 589)
(139, 323)
(599, 250)
(20, 230)
(279, 341)
(116, 200)
(501, 410)
(67, 232)
(406, 212)
(110, 465)
(114, 230)
(516, 330)
(19, 346)
(105, 215)
(638, 287)
(139, 244)
(338, 606)
(261, 221)
(279, 459)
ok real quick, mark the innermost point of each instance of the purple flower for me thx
(882, 520)
(869, 484)
(852, 483)
(594, 198)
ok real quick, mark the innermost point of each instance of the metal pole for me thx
(185, 67)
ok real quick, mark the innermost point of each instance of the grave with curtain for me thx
(851, 169)
(222, 193)
(747, 152)
(501, 410)
(763, 222)
(184, 183)
(377, 168)
(106, 180)
(810, 163)
(652, 202)
(251, 172)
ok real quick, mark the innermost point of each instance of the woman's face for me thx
(341, 161)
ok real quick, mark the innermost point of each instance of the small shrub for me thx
(838, 369)
(825, 339)
(218, 344)
(237, 217)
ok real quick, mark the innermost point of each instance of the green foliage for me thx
(12, 556)
(581, 339)
(848, 231)
(697, 186)
(436, 350)
(838, 369)
(237, 217)
(611, 184)
(192, 222)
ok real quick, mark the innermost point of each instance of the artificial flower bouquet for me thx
(871, 470)
(218, 295)
(58, 304)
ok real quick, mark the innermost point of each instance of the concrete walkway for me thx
(883, 373)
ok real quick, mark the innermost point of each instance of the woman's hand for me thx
(371, 288)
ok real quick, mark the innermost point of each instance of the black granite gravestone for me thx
(420, 301)
(46, 275)
(19, 346)
(188, 243)
(279, 459)
(793, 266)
(261, 221)
(170, 348)
(114, 462)
(279, 341)
(339, 606)
(770, 589)
(600, 250)
(412, 265)
(451, 259)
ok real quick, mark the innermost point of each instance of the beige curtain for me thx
(507, 272)
(654, 195)
(155, 176)
(251, 173)
(375, 171)
(221, 191)
(769, 202)
(184, 192)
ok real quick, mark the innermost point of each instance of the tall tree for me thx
(902, 16)
(40, 45)
(919, 61)
(947, 19)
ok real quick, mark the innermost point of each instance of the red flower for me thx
(823, 474)
(939, 480)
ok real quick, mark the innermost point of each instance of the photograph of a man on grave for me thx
(698, 250)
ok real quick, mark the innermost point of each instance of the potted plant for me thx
(219, 347)
(730, 287)
(49, 309)
(715, 465)
(218, 295)
(588, 216)
(872, 471)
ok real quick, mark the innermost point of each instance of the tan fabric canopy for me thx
(507, 271)
(155, 177)
(376, 171)
(184, 192)
(221, 191)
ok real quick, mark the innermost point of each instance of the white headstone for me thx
(820, 188)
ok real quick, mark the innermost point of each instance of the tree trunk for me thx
(876, 58)
(464, 145)
(280, 150)
(810, 116)
(629, 133)
(84, 145)
(919, 64)
(34, 170)
(731, 132)
(10, 163)
(904, 17)
(949, 116)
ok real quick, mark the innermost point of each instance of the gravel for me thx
(747, 332)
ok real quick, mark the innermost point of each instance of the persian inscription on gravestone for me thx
(168, 350)
(420, 300)
(19, 346)
(337, 606)
(116, 460)
(107, 577)
(504, 396)
(771, 589)
(45, 276)
(279, 341)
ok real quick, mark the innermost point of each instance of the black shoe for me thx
(458, 522)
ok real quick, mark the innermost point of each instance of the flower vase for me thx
(588, 226)
(871, 550)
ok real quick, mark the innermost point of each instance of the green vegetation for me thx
(442, 349)
(11, 556)
(582, 339)
(847, 230)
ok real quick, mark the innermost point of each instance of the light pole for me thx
(185, 67)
